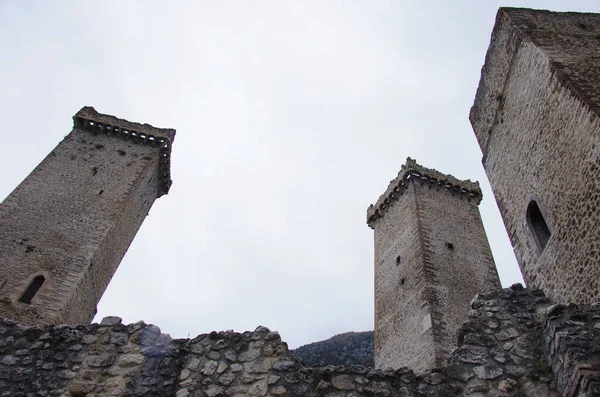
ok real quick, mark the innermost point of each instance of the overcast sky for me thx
(291, 118)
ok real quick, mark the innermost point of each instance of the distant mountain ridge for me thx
(350, 348)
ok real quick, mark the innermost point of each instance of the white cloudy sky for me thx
(291, 118)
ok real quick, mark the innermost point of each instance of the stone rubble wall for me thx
(515, 343)
(572, 343)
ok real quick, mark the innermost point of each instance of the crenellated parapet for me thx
(411, 171)
(89, 119)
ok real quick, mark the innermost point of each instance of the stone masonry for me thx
(64, 230)
(515, 343)
(537, 120)
(66, 227)
(431, 257)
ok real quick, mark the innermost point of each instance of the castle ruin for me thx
(65, 229)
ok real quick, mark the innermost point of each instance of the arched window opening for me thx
(33, 288)
(537, 224)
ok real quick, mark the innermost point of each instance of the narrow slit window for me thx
(537, 224)
(32, 289)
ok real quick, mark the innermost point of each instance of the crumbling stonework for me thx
(431, 257)
(66, 227)
(515, 343)
(537, 120)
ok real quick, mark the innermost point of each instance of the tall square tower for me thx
(431, 257)
(66, 227)
(536, 118)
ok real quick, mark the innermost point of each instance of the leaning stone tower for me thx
(431, 258)
(537, 120)
(66, 227)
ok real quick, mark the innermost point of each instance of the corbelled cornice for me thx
(411, 171)
(89, 119)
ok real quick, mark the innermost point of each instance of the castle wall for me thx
(72, 219)
(514, 343)
(458, 261)
(403, 334)
(141, 193)
(536, 119)
(431, 257)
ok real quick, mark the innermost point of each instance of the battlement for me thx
(89, 119)
(411, 170)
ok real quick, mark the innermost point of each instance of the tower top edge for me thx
(524, 11)
(88, 113)
(88, 119)
(411, 170)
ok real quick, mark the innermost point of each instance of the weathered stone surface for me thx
(221, 368)
(103, 360)
(226, 379)
(236, 367)
(111, 320)
(542, 163)
(79, 209)
(9, 360)
(487, 372)
(507, 385)
(249, 355)
(81, 388)
(323, 385)
(214, 391)
(258, 389)
(507, 333)
(472, 355)
(193, 363)
(458, 372)
(429, 205)
(278, 391)
(343, 382)
(182, 393)
(131, 360)
(209, 368)
(284, 365)
(106, 366)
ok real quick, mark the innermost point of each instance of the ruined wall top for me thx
(411, 169)
(162, 138)
(515, 343)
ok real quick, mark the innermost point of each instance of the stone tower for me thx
(431, 258)
(537, 120)
(66, 227)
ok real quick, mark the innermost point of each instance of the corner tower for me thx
(66, 227)
(537, 120)
(431, 258)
